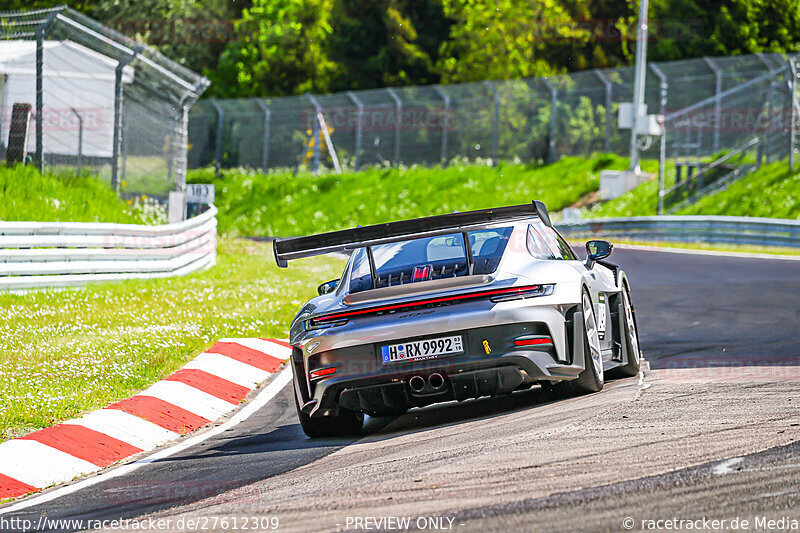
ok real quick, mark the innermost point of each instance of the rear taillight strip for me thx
(538, 341)
(420, 303)
(322, 372)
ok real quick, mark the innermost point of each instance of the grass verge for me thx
(279, 204)
(66, 352)
(64, 197)
(771, 191)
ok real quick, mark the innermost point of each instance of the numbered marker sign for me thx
(200, 193)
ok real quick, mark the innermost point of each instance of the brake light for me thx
(533, 342)
(537, 290)
(524, 291)
(322, 372)
(421, 273)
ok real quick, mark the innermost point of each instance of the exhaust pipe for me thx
(436, 380)
(417, 383)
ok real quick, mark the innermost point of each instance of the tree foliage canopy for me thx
(281, 47)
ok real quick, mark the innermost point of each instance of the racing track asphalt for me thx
(694, 311)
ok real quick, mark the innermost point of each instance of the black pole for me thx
(41, 32)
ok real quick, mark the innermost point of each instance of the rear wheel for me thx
(345, 423)
(591, 379)
(630, 337)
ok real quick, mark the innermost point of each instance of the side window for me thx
(544, 243)
(537, 246)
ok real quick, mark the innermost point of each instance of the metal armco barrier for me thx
(58, 254)
(710, 229)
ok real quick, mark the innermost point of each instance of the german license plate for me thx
(421, 350)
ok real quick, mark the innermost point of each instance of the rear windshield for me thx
(442, 256)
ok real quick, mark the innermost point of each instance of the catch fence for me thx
(709, 105)
(93, 101)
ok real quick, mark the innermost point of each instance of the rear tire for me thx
(591, 379)
(631, 339)
(347, 422)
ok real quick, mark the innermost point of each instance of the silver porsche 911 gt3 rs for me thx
(454, 307)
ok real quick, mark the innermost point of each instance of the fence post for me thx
(118, 116)
(180, 148)
(317, 136)
(445, 131)
(220, 126)
(767, 134)
(662, 151)
(762, 154)
(41, 32)
(607, 105)
(125, 139)
(793, 111)
(316, 131)
(265, 148)
(551, 148)
(399, 115)
(359, 128)
(495, 120)
(717, 101)
(80, 138)
(39, 97)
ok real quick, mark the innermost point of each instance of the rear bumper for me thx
(391, 391)
(357, 378)
(459, 386)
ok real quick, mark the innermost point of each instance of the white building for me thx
(75, 80)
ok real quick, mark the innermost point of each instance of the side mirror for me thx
(328, 287)
(597, 250)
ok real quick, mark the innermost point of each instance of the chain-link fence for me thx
(710, 105)
(97, 102)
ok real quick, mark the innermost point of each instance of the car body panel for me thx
(349, 348)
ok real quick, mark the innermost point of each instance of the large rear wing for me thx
(351, 239)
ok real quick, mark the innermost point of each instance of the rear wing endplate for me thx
(351, 239)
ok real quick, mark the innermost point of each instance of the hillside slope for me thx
(770, 191)
(279, 204)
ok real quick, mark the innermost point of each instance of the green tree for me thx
(693, 28)
(26, 5)
(376, 43)
(193, 33)
(505, 39)
(609, 34)
(279, 48)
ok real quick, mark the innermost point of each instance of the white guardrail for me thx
(57, 254)
(712, 229)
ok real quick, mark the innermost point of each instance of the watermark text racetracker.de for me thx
(183, 523)
(703, 523)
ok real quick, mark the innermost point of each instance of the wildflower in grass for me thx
(63, 353)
